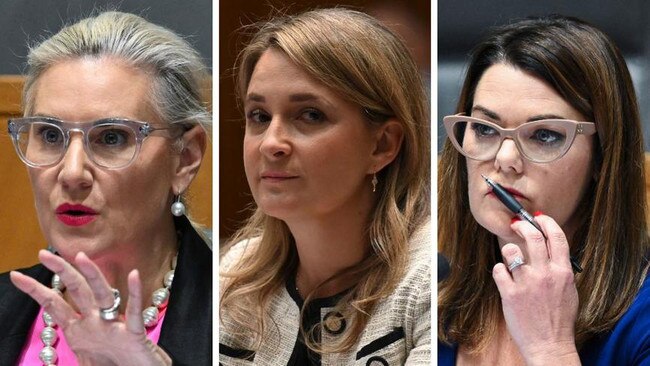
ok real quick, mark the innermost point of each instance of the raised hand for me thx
(539, 297)
(95, 341)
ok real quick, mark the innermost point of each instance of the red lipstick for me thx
(75, 214)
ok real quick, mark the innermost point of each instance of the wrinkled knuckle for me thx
(547, 281)
(513, 295)
(48, 301)
(509, 250)
(566, 275)
(558, 237)
(536, 238)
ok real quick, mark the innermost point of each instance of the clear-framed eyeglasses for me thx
(111, 143)
(541, 141)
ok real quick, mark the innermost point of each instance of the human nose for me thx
(74, 171)
(276, 140)
(508, 157)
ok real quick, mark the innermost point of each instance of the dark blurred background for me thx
(461, 25)
(410, 18)
(23, 21)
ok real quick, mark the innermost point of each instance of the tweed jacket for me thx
(398, 332)
(186, 333)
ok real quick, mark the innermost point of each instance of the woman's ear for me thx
(190, 156)
(389, 137)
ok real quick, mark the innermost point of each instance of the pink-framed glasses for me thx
(541, 141)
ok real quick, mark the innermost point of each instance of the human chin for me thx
(281, 206)
(495, 220)
(68, 246)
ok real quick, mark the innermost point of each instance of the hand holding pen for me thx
(513, 205)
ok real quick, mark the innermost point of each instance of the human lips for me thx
(75, 214)
(277, 176)
(517, 194)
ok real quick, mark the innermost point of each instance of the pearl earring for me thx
(374, 182)
(178, 208)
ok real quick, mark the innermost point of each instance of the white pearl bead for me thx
(57, 284)
(178, 209)
(169, 278)
(160, 297)
(48, 336)
(150, 316)
(47, 355)
(47, 319)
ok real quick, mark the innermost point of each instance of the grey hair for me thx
(176, 68)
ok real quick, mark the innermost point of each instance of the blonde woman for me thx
(334, 265)
(112, 136)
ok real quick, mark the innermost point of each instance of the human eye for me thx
(257, 116)
(546, 136)
(312, 115)
(49, 135)
(111, 137)
(483, 130)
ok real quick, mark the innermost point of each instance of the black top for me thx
(186, 333)
(311, 316)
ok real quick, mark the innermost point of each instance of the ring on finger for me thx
(516, 262)
(110, 314)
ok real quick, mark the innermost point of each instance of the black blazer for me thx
(186, 333)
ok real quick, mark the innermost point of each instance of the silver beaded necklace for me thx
(150, 315)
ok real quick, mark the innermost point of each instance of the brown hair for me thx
(362, 60)
(585, 67)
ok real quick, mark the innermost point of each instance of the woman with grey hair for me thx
(113, 133)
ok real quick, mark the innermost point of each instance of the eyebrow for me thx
(495, 116)
(253, 97)
(303, 97)
(299, 97)
(45, 115)
(540, 117)
(487, 112)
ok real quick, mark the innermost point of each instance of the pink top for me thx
(29, 356)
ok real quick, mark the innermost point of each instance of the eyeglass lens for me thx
(539, 141)
(110, 145)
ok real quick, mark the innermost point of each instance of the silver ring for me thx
(516, 262)
(111, 313)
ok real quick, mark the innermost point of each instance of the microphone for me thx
(443, 267)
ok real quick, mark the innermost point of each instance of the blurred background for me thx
(24, 22)
(410, 19)
(461, 25)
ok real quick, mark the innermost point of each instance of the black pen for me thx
(513, 205)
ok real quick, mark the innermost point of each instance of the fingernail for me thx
(515, 219)
(537, 213)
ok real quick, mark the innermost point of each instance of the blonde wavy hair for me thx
(366, 63)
